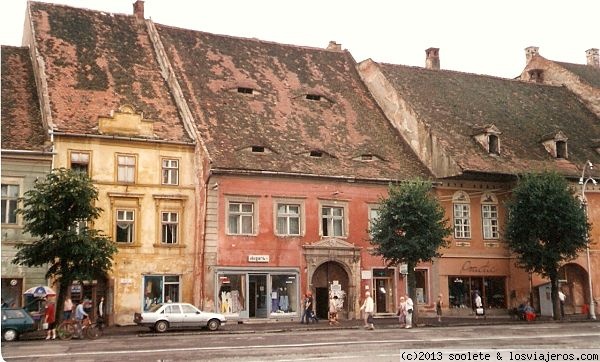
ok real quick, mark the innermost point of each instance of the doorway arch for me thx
(574, 283)
(328, 275)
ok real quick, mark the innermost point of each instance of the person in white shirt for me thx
(562, 297)
(409, 311)
(368, 308)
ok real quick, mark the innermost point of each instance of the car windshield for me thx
(154, 308)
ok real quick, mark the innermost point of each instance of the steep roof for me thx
(454, 105)
(586, 73)
(96, 62)
(21, 120)
(342, 121)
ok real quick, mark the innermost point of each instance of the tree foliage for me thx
(410, 227)
(546, 226)
(57, 212)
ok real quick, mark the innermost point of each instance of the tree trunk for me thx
(412, 291)
(554, 296)
(60, 300)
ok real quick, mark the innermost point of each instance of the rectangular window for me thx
(80, 162)
(170, 223)
(288, 219)
(489, 214)
(231, 298)
(126, 169)
(421, 286)
(241, 218)
(462, 223)
(10, 198)
(125, 226)
(284, 296)
(170, 172)
(332, 221)
(373, 215)
(160, 288)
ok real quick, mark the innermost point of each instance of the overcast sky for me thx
(475, 36)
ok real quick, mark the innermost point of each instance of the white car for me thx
(162, 317)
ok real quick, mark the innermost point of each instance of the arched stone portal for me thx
(328, 261)
(574, 283)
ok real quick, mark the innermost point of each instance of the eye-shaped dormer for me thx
(488, 137)
(556, 144)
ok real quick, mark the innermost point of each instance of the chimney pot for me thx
(334, 46)
(593, 57)
(138, 9)
(432, 58)
(531, 52)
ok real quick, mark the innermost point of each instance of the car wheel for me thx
(213, 324)
(10, 335)
(161, 326)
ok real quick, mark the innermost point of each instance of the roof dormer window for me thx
(258, 149)
(556, 144)
(313, 97)
(493, 144)
(536, 75)
(316, 154)
(245, 90)
(489, 138)
(367, 157)
(561, 149)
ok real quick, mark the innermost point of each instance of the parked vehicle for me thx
(162, 317)
(15, 321)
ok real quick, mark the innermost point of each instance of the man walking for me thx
(368, 308)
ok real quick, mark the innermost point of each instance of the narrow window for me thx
(80, 162)
(462, 223)
(373, 215)
(313, 97)
(561, 149)
(241, 218)
(421, 285)
(493, 144)
(288, 219)
(126, 169)
(332, 221)
(170, 223)
(489, 215)
(124, 227)
(245, 90)
(170, 172)
(10, 197)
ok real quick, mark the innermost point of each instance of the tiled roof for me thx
(453, 104)
(21, 120)
(96, 62)
(587, 73)
(345, 123)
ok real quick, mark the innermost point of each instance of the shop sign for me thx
(366, 274)
(126, 281)
(469, 267)
(258, 258)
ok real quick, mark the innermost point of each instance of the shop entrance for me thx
(329, 277)
(384, 288)
(257, 293)
(574, 284)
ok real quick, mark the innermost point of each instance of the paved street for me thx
(292, 341)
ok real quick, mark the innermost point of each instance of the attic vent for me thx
(258, 149)
(536, 75)
(316, 154)
(367, 157)
(245, 90)
(313, 97)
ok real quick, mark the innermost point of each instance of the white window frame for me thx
(125, 220)
(241, 216)
(171, 222)
(489, 217)
(170, 171)
(126, 165)
(286, 216)
(329, 219)
(7, 201)
(373, 214)
(461, 210)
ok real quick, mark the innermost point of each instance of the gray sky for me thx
(475, 36)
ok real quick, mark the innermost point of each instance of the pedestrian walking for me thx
(310, 314)
(401, 313)
(409, 311)
(333, 311)
(50, 318)
(367, 308)
(478, 306)
(562, 298)
(67, 308)
(438, 308)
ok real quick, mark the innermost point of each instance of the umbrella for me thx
(40, 291)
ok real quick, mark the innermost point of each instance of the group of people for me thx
(308, 313)
(80, 314)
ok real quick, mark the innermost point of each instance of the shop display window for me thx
(463, 288)
(231, 297)
(283, 294)
(159, 289)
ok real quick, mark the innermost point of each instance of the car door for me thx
(192, 317)
(174, 315)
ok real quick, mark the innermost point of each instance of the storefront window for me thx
(462, 291)
(283, 295)
(160, 288)
(231, 297)
(421, 286)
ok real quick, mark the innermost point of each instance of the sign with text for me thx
(258, 258)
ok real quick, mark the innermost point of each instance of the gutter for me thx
(120, 138)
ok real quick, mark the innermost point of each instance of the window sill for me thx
(168, 246)
(127, 245)
(462, 243)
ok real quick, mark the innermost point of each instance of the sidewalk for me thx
(267, 326)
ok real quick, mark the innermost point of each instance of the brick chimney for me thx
(432, 58)
(593, 57)
(138, 9)
(531, 52)
(334, 46)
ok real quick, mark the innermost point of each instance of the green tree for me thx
(546, 226)
(57, 212)
(410, 228)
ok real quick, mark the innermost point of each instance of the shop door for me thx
(258, 295)
(382, 295)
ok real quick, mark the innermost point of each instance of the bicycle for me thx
(68, 328)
